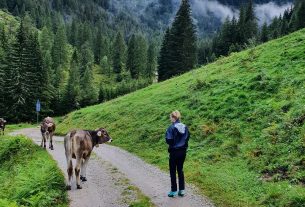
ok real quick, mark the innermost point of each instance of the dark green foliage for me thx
(71, 98)
(119, 56)
(264, 33)
(3, 57)
(24, 75)
(107, 93)
(164, 57)
(88, 95)
(151, 66)
(180, 44)
(137, 56)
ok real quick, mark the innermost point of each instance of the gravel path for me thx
(104, 187)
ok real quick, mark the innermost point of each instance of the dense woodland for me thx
(71, 54)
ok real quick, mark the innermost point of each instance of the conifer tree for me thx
(119, 56)
(22, 76)
(164, 57)
(300, 16)
(3, 56)
(88, 95)
(72, 90)
(182, 44)
(151, 65)
(59, 49)
(137, 56)
(264, 33)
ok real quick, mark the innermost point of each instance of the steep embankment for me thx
(246, 114)
(28, 175)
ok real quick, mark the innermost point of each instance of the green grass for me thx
(13, 127)
(142, 200)
(246, 114)
(28, 175)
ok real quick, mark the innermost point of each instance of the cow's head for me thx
(103, 136)
(2, 122)
(44, 127)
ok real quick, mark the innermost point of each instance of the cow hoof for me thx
(84, 179)
(79, 187)
(51, 148)
(68, 187)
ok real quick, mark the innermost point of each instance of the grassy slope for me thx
(245, 114)
(28, 175)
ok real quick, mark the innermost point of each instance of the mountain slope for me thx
(246, 114)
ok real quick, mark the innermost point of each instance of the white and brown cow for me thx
(79, 145)
(2, 125)
(47, 128)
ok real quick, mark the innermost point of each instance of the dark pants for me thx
(176, 160)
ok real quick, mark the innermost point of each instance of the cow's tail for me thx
(68, 147)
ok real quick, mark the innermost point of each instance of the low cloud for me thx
(266, 12)
(208, 7)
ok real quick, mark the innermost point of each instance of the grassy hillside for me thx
(28, 175)
(246, 114)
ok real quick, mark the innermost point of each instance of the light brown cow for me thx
(47, 128)
(79, 145)
(2, 125)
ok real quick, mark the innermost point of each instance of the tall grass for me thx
(28, 175)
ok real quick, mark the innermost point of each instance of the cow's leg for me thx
(70, 173)
(43, 141)
(51, 141)
(77, 171)
(84, 170)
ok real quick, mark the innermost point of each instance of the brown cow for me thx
(2, 125)
(79, 145)
(47, 128)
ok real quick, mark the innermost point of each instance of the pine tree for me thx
(59, 49)
(242, 26)
(105, 66)
(151, 65)
(131, 58)
(251, 27)
(164, 58)
(21, 75)
(72, 90)
(86, 58)
(300, 16)
(98, 47)
(137, 56)
(40, 82)
(3, 56)
(88, 95)
(119, 56)
(264, 33)
(182, 44)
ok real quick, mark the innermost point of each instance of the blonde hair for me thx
(176, 115)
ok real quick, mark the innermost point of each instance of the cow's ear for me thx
(99, 133)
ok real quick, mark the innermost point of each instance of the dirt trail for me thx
(104, 189)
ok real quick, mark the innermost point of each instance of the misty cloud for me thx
(266, 12)
(208, 7)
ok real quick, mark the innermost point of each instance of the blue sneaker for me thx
(172, 194)
(181, 193)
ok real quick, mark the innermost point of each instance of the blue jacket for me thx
(177, 136)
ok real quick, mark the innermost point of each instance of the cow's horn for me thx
(99, 133)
